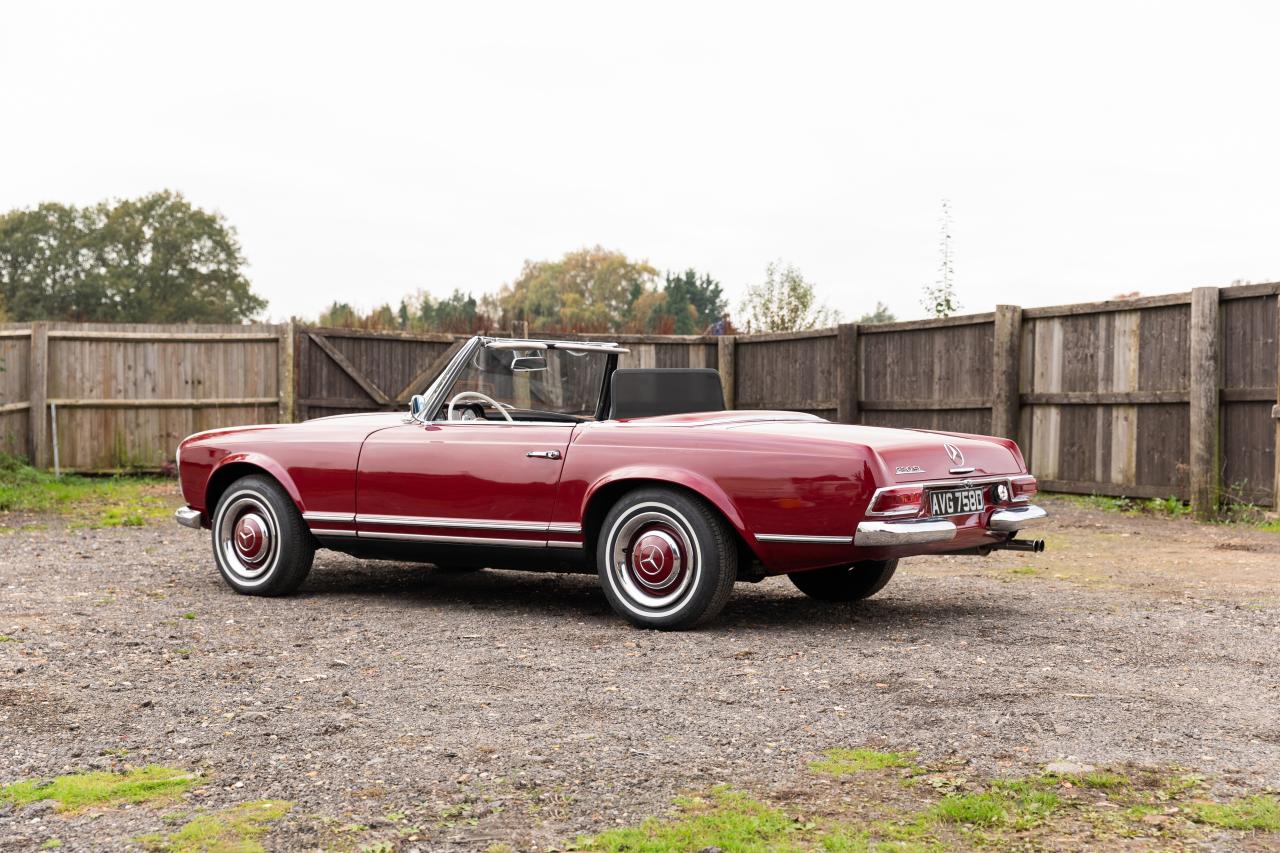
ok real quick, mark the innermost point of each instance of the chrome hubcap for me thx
(245, 531)
(653, 559)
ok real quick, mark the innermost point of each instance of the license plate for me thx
(955, 502)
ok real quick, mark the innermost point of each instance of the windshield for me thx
(532, 385)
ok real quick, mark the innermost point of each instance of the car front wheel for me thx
(846, 583)
(260, 542)
(666, 559)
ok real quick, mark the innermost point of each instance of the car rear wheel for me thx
(846, 583)
(260, 543)
(666, 559)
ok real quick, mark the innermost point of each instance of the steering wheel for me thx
(484, 398)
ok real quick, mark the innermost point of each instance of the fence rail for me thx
(1172, 395)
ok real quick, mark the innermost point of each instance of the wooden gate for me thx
(351, 370)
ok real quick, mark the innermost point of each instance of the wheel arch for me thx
(238, 465)
(605, 492)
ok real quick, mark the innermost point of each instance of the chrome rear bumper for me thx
(923, 531)
(878, 534)
(187, 517)
(1016, 518)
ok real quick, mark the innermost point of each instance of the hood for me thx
(360, 424)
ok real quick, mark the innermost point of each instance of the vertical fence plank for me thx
(286, 385)
(1275, 414)
(847, 373)
(38, 389)
(726, 355)
(1206, 468)
(1006, 362)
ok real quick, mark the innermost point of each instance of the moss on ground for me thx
(232, 830)
(78, 790)
(860, 810)
(842, 762)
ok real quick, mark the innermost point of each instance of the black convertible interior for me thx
(649, 392)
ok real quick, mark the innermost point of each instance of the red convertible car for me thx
(541, 454)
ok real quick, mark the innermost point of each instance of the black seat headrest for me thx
(646, 393)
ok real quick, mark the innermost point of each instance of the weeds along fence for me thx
(1159, 396)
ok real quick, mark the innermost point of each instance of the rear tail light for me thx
(1024, 489)
(904, 500)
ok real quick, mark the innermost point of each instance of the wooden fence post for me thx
(1275, 414)
(1205, 451)
(286, 380)
(726, 345)
(847, 373)
(1006, 358)
(38, 383)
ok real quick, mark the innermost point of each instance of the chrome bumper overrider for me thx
(880, 534)
(1016, 518)
(874, 534)
(187, 517)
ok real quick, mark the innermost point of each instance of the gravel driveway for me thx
(516, 708)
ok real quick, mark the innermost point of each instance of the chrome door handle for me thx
(543, 454)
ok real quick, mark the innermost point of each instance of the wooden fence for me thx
(1152, 397)
(109, 397)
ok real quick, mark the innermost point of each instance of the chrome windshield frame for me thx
(441, 385)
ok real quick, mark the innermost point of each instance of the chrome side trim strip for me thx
(333, 533)
(564, 528)
(461, 523)
(460, 540)
(329, 516)
(552, 543)
(187, 517)
(812, 540)
(1016, 518)
(874, 534)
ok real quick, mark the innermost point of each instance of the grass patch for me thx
(845, 762)
(1253, 813)
(1103, 779)
(235, 830)
(1170, 507)
(726, 819)
(121, 501)
(77, 790)
(1024, 570)
(972, 809)
(1270, 526)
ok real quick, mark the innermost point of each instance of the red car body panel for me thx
(771, 474)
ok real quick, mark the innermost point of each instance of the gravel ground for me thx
(508, 707)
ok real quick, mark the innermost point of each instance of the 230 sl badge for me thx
(908, 469)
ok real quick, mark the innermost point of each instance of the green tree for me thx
(340, 314)
(785, 302)
(693, 302)
(587, 290)
(155, 259)
(881, 314)
(939, 298)
(457, 312)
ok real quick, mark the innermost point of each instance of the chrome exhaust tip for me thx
(1034, 546)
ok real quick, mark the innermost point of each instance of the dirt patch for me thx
(394, 704)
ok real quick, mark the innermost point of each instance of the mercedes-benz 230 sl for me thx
(543, 454)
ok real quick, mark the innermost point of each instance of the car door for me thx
(461, 482)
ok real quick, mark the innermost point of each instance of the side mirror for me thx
(417, 405)
(526, 363)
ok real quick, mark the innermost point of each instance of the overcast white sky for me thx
(365, 150)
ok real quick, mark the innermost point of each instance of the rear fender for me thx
(694, 482)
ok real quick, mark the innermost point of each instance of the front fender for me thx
(266, 463)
